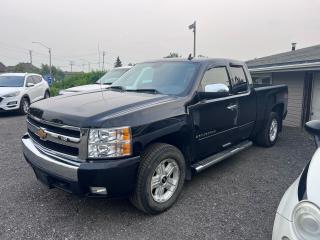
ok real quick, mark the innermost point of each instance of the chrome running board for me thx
(214, 159)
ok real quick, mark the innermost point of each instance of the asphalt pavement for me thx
(236, 199)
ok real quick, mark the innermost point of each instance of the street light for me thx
(194, 27)
(50, 68)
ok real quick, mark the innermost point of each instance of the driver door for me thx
(214, 120)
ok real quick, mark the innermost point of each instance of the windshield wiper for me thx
(117, 88)
(148, 90)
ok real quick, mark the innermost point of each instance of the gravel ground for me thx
(236, 199)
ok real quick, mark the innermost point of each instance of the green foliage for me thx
(24, 67)
(57, 73)
(75, 80)
(173, 55)
(118, 62)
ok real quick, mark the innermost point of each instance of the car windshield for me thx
(111, 76)
(11, 81)
(171, 78)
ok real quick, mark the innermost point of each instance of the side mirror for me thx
(313, 128)
(216, 90)
(30, 84)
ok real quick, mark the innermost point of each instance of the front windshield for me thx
(111, 76)
(11, 81)
(171, 78)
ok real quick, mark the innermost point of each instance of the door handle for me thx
(232, 107)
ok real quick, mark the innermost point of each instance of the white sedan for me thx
(298, 215)
(104, 82)
(19, 90)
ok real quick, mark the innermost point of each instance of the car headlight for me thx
(306, 221)
(109, 143)
(13, 94)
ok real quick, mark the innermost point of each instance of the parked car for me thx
(19, 90)
(298, 215)
(104, 82)
(155, 127)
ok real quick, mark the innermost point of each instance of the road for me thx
(236, 199)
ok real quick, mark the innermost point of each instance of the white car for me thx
(19, 90)
(298, 215)
(104, 82)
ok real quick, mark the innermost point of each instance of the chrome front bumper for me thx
(46, 163)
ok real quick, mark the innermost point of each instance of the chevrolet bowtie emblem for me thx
(41, 133)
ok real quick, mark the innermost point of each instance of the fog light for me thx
(12, 103)
(98, 190)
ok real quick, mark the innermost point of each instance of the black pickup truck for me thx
(158, 125)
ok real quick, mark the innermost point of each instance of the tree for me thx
(57, 73)
(118, 62)
(173, 55)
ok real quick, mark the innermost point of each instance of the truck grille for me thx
(57, 140)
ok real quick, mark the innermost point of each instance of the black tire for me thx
(151, 158)
(22, 109)
(46, 94)
(264, 138)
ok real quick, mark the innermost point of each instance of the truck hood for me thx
(7, 90)
(89, 87)
(105, 108)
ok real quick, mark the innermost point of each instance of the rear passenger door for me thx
(240, 84)
(39, 88)
(31, 90)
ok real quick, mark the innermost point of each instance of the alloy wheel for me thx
(273, 130)
(164, 181)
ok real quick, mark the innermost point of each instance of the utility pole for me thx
(103, 54)
(50, 66)
(194, 27)
(50, 62)
(71, 64)
(99, 55)
(30, 55)
(85, 61)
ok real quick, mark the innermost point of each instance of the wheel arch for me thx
(26, 96)
(279, 109)
(180, 138)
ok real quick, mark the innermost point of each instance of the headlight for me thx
(109, 143)
(306, 221)
(13, 94)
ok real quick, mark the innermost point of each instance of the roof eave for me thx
(289, 67)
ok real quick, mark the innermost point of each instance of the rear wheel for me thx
(270, 133)
(160, 178)
(46, 94)
(24, 105)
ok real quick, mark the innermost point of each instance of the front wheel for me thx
(24, 106)
(160, 178)
(270, 133)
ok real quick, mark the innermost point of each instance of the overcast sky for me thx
(138, 30)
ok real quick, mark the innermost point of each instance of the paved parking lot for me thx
(235, 199)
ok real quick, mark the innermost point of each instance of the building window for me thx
(262, 79)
